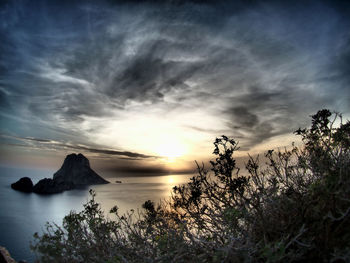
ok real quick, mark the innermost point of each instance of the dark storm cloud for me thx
(261, 67)
(149, 76)
(4, 103)
(261, 114)
(243, 117)
(341, 71)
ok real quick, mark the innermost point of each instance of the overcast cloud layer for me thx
(68, 70)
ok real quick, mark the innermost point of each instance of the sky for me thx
(146, 86)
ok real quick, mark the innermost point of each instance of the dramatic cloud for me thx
(112, 72)
(50, 144)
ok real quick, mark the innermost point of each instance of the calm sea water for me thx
(21, 214)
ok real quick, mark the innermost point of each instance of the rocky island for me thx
(74, 173)
(24, 184)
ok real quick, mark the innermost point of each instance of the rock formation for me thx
(74, 173)
(24, 184)
(50, 186)
(76, 170)
(5, 256)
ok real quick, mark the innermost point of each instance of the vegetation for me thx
(292, 207)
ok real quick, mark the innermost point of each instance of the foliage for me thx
(292, 207)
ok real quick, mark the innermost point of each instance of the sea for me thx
(23, 214)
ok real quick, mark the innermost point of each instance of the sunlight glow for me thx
(149, 133)
(170, 149)
(171, 180)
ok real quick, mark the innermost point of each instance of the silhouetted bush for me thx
(292, 207)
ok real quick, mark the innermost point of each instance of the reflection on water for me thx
(23, 214)
(134, 191)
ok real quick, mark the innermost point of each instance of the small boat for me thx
(118, 182)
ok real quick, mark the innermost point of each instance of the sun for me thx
(171, 149)
(171, 180)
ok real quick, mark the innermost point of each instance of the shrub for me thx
(293, 207)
